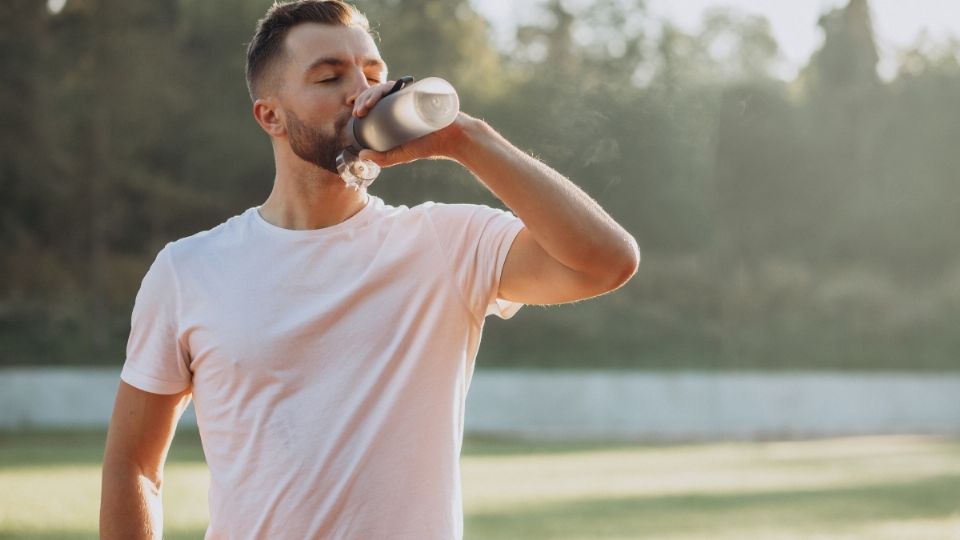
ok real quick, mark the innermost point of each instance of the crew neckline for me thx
(362, 217)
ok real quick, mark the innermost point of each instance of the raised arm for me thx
(141, 430)
(571, 248)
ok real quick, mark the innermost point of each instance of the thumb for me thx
(372, 155)
(389, 158)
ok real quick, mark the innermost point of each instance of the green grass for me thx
(871, 488)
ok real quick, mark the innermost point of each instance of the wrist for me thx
(466, 133)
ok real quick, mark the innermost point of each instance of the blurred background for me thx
(793, 212)
(790, 171)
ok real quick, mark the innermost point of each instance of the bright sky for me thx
(897, 23)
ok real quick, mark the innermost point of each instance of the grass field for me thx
(870, 488)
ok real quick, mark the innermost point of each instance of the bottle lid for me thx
(357, 173)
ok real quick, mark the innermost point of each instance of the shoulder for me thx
(229, 234)
(443, 214)
(468, 224)
(438, 213)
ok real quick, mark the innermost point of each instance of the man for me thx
(327, 338)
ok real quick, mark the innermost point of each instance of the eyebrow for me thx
(339, 62)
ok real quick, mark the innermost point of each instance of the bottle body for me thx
(412, 112)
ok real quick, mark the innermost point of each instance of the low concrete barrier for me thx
(594, 404)
(712, 405)
(57, 397)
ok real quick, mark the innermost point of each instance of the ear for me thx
(270, 118)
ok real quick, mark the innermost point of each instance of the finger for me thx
(383, 159)
(369, 98)
(372, 155)
(389, 158)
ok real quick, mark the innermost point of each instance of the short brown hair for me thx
(267, 42)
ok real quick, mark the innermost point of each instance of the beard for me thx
(314, 146)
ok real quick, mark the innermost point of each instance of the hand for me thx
(437, 145)
(440, 144)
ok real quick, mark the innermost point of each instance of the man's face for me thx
(325, 68)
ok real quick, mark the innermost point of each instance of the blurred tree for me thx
(733, 47)
(217, 147)
(600, 43)
(848, 58)
(761, 207)
(842, 117)
(24, 212)
(906, 219)
(112, 59)
(741, 46)
(760, 197)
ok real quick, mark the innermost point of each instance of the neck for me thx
(307, 197)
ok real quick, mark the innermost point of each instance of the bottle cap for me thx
(357, 173)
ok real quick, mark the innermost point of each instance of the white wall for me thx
(615, 405)
(712, 405)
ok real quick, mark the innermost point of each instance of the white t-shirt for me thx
(329, 367)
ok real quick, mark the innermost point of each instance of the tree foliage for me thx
(806, 223)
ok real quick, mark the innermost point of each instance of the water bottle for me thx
(409, 111)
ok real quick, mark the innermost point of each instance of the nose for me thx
(358, 84)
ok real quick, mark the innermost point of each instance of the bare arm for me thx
(141, 430)
(571, 248)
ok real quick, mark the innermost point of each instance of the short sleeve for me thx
(475, 240)
(156, 360)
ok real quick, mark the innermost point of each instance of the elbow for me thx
(624, 266)
(631, 262)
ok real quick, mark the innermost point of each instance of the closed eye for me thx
(370, 80)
